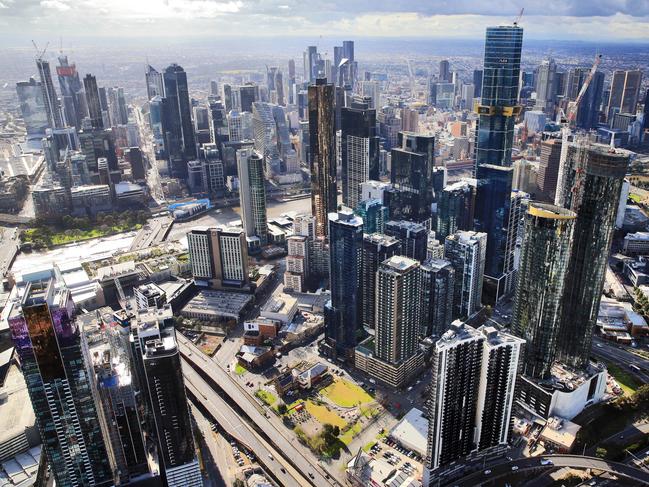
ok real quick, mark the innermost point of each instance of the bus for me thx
(634, 367)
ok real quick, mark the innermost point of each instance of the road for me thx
(9, 242)
(214, 458)
(271, 426)
(574, 461)
(232, 423)
(622, 357)
(146, 142)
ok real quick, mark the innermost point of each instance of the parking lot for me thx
(402, 459)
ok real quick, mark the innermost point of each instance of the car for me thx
(311, 475)
(514, 468)
(282, 470)
(271, 456)
(487, 472)
(546, 461)
(598, 345)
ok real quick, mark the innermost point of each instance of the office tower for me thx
(592, 190)
(497, 112)
(343, 313)
(589, 106)
(279, 88)
(540, 284)
(50, 98)
(471, 396)
(409, 120)
(477, 82)
(227, 97)
(413, 237)
(411, 175)
(322, 153)
(310, 64)
(154, 83)
(374, 215)
(239, 125)
(249, 93)
(117, 106)
(466, 252)
(202, 125)
(214, 88)
(93, 102)
(468, 94)
(70, 92)
(182, 147)
(252, 194)
(625, 92)
(46, 338)
(218, 257)
(360, 150)
(549, 167)
(545, 86)
(398, 314)
(455, 208)
(32, 108)
(437, 289)
(133, 155)
(376, 249)
(160, 380)
(158, 122)
(389, 126)
(444, 71)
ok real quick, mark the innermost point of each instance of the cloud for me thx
(59, 5)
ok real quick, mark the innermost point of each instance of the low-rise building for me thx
(280, 307)
(217, 306)
(393, 375)
(412, 432)
(636, 243)
(559, 434)
(364, 470)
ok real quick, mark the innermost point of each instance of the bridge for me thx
(558, 461)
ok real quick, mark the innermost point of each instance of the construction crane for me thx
(40, 54)
(573, 106)
(520, 16)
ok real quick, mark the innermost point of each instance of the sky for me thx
(591, 20)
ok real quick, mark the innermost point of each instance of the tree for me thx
(281, 409)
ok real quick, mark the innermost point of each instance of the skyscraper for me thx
(46, 338)
(589, 107)
(322, 148)
(93, 102)
(549, 167)
(248, 94)
(32, 108)
(471, 395)
(625, 92)
(154, 82)
(455, 208)
(252, 194)
(497, 113)
(444, 71)
(398, 314)
(182, 147)
(374, 215)
(413, 237)
(437, 290)
(310, 64)
(360, 150)
(412, 169)
(376, 249)
(545, 86)
(540, 285)
(466, 252)
(343, 313)
(70, 92)
(50, 98)
(592, 190)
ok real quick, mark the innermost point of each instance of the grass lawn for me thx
(76, 235)
(324, 416)
(348, 436)
(627, 382)
(345, 394)
(268, 397)
(240, 369)
(369, 446)
(636, 198)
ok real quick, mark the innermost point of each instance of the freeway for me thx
(573, 461)
(622, 357)
(231, 422)
(212, 369)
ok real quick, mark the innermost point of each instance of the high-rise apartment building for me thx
(549, 167)
(47, 340)
(252, 194)
(466, 252)
(592, 190)
(182, 146)
(540, 284)
(322, 149)
(437, 290)
(545, 86)
(218, 257)
(471, 395)
(374, 215)
(398, 314)
(52, 107)
(413, 237)
(376, 249)
(343, 314)
(297, 262)
(455, 208)
(154, 83)
(413, 160)
(360, 150)
(93, 102)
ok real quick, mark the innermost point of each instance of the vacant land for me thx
(345, 394)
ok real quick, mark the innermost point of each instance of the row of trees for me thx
(128, 218)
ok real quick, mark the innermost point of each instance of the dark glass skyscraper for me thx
(437, 289)
(50, 98)
(592, 190)
(497, 113)
(70, 91)
(46, 337)
(343, 314)
(182, 147)
(93, 102)
(322, 149)
(360, 150)
(540, 284)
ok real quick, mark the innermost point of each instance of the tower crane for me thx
(520, 16)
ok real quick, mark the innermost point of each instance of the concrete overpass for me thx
(215, 378)
(558, 461)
